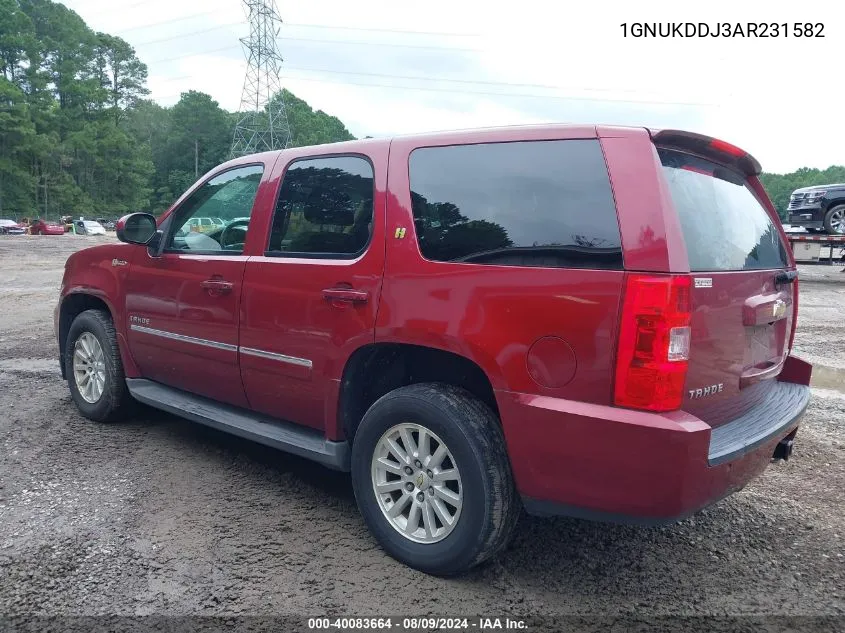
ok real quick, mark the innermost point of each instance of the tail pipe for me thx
(784, 448)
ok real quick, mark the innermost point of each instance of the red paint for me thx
(551, 362)
(285, 310)
(546, 338)
(40, 227)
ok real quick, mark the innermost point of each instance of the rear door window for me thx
(325, 208)
(725, 226)
(536, 203)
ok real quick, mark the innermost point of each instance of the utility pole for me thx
(196, 158)
(263, 123)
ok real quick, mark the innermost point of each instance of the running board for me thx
(284, 436)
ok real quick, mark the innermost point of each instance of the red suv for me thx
(580, 320)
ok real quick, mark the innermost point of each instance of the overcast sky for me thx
(388, 67)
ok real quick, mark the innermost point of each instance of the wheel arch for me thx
(375, 369)
(75, 303)
(836, 202)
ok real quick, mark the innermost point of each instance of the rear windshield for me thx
(724, 225)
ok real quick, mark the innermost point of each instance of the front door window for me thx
(228, 196)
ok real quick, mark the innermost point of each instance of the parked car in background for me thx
(577, 320)
(42, 227)
(10, 227)
(203, 225)
(109, 225)
(818, 208)
(89, 227)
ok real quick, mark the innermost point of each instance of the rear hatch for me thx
(742, 291)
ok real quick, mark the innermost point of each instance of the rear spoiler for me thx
(707, 147)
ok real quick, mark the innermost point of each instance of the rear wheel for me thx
(94, 369)
(834, 220)
(432, 478)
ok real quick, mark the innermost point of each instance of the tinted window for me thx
(229, 195)
(725, 227)
(325, 207)
(539, 203)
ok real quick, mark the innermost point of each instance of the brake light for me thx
(726, 148)
(654, 342)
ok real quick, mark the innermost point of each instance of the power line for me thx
(510, 94)
(186, 35)
(489, 93)
(213, 50)
(389, 44)
(316, 26)
(439, 80)
(301, 25)
(358, 28)
(307, 39)
(459, 81)
(162, 23)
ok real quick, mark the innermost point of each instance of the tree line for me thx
(78, 135)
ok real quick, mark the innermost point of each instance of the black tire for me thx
(115, 401)
(491, 506)
(838, 212)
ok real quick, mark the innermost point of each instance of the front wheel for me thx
(432, 478)
(834, 220)
(94, 369)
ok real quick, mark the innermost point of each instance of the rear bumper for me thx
(610, 464)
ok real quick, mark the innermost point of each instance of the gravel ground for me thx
(160, 516)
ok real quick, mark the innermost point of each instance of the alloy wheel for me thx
(89, 367)
(837, 221)
(417, 483)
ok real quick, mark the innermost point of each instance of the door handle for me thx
(346, 295)
(217, 286)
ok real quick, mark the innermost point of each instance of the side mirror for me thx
(136, 228)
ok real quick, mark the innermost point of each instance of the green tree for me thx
(309, 127)
(120, 73)
(77, 135)
(17, 134)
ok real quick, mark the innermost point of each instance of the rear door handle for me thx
(217, 286)
(346, 295)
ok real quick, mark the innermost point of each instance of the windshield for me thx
(725, 226)
(92, 225)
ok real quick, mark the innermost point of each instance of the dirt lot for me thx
(160, 516)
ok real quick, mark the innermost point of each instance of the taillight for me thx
(794, 314)
(654, 342)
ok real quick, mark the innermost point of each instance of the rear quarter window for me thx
(725, 226)
(537, 203)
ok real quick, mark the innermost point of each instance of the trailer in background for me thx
(817, 249)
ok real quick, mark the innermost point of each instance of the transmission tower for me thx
(263, 123)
